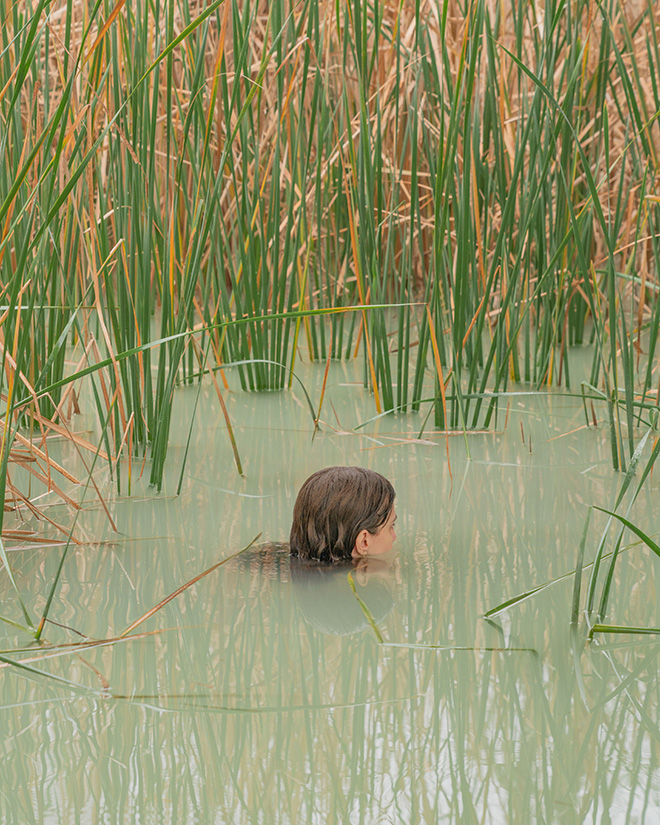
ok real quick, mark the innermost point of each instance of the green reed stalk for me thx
(193, 167)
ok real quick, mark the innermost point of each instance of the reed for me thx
(222, 171)
(608, 552)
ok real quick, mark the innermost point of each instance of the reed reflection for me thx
(263, 695)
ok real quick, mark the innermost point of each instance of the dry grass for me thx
(210, 163)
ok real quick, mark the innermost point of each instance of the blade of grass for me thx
(7, 566)
(58, 573)
(365, 610)
(577, 585)
(648, 541)
(182, 589)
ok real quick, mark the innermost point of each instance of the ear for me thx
(361, 543)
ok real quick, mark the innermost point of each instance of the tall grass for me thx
(602, 568)
(175, 170)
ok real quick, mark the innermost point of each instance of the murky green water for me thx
(261, 695)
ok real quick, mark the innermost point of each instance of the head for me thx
(342, 513)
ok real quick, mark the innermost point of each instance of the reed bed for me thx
(187, 186)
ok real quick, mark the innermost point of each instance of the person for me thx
(343, 513)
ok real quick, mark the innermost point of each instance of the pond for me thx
(262, 693)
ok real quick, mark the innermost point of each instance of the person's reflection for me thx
(325, 597)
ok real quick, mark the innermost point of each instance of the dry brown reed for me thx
(202, 164)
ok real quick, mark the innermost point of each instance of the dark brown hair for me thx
(333, 506)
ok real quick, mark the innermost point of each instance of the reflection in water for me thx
(322, 591)
(327, 602)
(262, 695)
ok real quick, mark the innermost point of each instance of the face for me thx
(373, 544)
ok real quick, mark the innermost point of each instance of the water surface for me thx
(261, 694)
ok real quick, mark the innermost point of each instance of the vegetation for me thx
(186, 186)
(458, 192)
(601, 569)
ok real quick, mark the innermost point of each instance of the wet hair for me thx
(333, 506)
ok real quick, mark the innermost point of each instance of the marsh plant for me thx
(186, 186)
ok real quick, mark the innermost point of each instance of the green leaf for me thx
(648, 541)
(613, 628)
(365, 610)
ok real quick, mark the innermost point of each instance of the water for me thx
(261, 694)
